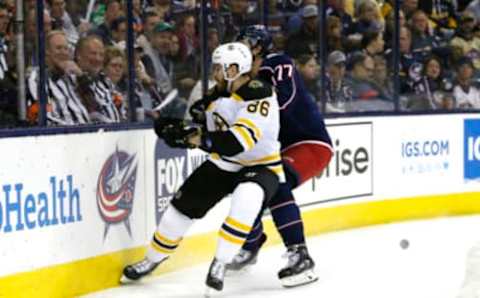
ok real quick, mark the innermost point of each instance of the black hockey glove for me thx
(162, 122)
(197, 110)
(175, 133)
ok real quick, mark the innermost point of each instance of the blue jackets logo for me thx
(471, 149)
(23, 208)
(116, 189)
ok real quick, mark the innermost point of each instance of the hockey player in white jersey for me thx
(240, 133)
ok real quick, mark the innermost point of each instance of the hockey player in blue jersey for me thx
(306, 151)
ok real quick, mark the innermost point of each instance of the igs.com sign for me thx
(425, 156)
(472, 149)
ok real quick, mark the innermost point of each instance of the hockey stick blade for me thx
(168, 99)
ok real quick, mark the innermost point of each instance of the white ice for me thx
(359, 263)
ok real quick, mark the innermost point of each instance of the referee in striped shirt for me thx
(95, 89)
(64, 106)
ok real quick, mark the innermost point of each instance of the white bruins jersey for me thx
(252, 116)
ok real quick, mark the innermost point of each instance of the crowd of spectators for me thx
(87, 68)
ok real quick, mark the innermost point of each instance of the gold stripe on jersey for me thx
(215, 156)
(276, 169)
(231, 238)
(270, 160)
(238, 225)
(248, 123)
(236, 97)
(245, 135)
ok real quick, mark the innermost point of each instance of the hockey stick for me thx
(168, 99)
(90, 6)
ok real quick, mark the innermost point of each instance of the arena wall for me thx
(74, 209)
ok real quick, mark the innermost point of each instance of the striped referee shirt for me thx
(66, 107)
(103, 90)
(3, 58)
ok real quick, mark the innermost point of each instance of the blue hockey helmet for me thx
(256, 35)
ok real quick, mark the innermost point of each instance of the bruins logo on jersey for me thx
(220, 123)
(255, 84)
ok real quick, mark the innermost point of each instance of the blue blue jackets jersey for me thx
(300, 119)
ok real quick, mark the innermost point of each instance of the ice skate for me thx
(136, 271)
(245, 257)
(299, 270)
(215, 277)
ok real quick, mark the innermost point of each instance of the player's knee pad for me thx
(262, 176)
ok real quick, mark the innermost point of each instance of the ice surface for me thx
(359, 263)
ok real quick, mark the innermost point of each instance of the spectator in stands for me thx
(64, 106)
(189, 43)
(337, 8)
(157, 60)
(306, 40)
(372, 43)
(95, 89)
(368, 18)
(441, 12)
(119, 31)
(240, 13)
(116, 70)
(309, 70)
(338, 91)
(61, 20)
(381, 77)
(8, 75)
(389, 26)
(465, 90)
(432, 90)
(113, 10)
(145, 93)
(212, 43)
(137, 16)
(334, 34)
(31, 34)
(184, 76)
(361, 78)
(464, 42)
(425, 40)
(409, 7)
(5, 20)
(163, 8)
(410, 62)
(150, 20)
(295, 21)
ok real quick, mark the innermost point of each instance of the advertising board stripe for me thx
(100, 272)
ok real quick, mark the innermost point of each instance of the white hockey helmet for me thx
(233, 53)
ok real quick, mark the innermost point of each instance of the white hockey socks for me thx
(247, 199)
(168, 235)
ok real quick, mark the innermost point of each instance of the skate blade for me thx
(210, 292)
(239, 272)
(236, 268)
(125, 280)
(300, 279)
